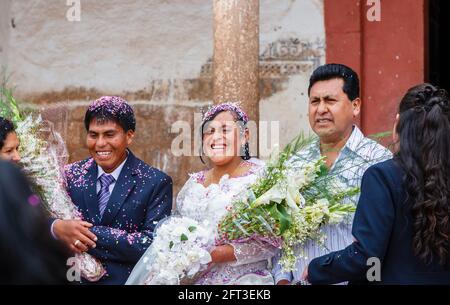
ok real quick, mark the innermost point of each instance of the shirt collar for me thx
(354, 141)
(115, 173)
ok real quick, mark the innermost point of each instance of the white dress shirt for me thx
(115, 174)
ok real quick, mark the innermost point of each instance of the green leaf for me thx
(279, 213)
(286, 219)
(192, 228)
(380, 135)
(343, 208)
(171, 245)
(183, 237)
(323, 170)
(8, 105)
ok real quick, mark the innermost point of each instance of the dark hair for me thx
(6, 127)
(111, 108)
(245, 150)
(424, 134)
(332, 71)
(28, 253)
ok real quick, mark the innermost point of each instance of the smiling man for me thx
(120, 197)
(334, 104)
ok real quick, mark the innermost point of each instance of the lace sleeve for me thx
(252, 251)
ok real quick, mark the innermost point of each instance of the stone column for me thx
(236, 56)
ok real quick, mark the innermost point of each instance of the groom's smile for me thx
(104, 155)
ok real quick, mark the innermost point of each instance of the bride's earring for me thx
(245, 151)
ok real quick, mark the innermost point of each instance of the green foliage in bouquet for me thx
(8, 104)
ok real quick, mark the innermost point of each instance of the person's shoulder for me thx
(77, 169)
(384, 178)
(388, 170)
(255, 162)
(372, 151)
(371, 144)
(82, 164)
(254, 166)
(367, 148)
(147, 172)
(197, 177)
(387, 165)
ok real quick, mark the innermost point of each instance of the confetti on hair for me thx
(112, 105)
(229, 106)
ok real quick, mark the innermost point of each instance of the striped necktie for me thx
(104, 194)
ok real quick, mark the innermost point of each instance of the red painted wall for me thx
(389, 55)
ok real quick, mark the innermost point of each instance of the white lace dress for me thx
(211, 203)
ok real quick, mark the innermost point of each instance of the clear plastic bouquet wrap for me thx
(43, 157)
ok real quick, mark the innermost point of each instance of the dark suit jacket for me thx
(383, 228)
(141, 197)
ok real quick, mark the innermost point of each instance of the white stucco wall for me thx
(157, 53)
(119, 45)
(303, 20)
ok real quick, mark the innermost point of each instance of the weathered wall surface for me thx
(292, 44)
(157, 54)
(4, 30)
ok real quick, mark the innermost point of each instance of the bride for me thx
(207, 195)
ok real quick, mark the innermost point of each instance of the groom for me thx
(120, 197)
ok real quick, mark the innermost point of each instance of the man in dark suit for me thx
(119, 196)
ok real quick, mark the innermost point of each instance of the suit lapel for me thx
(90, 194)
(123, 187)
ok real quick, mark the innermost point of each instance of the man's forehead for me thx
(327, 87)
(103, 124)
(323, 95)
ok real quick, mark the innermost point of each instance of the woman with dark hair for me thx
(402, 222)
(208, 195)
(28, 253)
(9, 142)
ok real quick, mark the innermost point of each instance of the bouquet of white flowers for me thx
(43, 156)
(180, 251)
(288, 204)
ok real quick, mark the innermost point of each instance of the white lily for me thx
(294, 199)
(276, 194)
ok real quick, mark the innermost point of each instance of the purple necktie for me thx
(104, 194)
